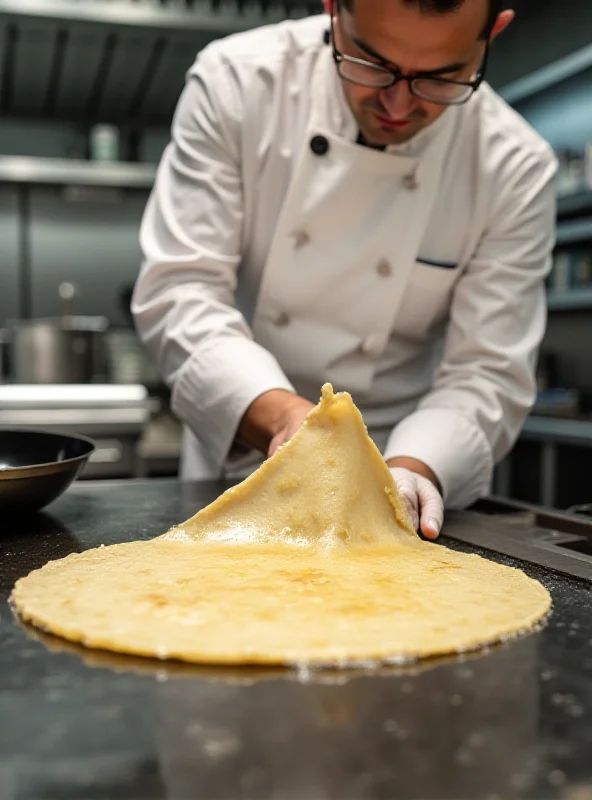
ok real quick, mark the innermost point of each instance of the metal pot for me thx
(67, 349)
(127, 360)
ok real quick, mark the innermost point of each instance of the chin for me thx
(385, 137)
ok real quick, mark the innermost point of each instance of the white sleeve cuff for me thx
(217, 385)
(452, 446)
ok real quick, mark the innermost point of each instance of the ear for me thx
(504, 19)
(329, 4)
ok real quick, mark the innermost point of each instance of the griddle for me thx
(513, 722)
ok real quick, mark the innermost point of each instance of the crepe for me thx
(328, 484)
(279, 605)
(310, 560)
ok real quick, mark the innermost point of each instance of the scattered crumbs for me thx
(556, 777)
(463, 756)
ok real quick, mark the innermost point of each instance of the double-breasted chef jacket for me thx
(279, 254)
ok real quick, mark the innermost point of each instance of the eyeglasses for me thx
(430, 88)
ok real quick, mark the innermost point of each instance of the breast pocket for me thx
(427, 297)
(425, 262)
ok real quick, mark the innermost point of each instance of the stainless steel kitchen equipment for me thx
(65, 349)
(114, 417)
(127, 360)
(57, 350)
(36, 467)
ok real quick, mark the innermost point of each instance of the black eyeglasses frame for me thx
(398, 77)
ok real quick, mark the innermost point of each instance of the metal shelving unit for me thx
(548, 76)
(65, 172)
(572, 204)
(574, 212)
(117, 61)
(570, 299)
(574, 232)
(221, 18)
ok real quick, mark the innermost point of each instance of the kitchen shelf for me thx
(574, 232)
(68, 172)
(563, 431)
(127, 175)
(572, 204)
(569, 299)
(114, 61)
(220, 18)
(548, 76)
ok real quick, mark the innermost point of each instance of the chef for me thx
(345, 199)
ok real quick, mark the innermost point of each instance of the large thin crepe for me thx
(310, 560)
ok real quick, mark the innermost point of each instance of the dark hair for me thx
(445, 7)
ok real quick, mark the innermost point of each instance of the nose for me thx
(398, 100)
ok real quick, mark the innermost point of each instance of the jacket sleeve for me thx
(190, 236)
(485, 384)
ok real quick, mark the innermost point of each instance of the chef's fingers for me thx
(411, 504)
(276, 443)
(282, 438)
(431, 507)
(407, 486)
(293, 424)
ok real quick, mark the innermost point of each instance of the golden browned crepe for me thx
(328, 484)
(310, 560)
(274, 603)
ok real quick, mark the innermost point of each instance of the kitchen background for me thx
(87, 92)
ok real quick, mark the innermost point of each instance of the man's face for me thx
(401, 36)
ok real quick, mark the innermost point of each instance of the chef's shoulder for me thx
(510, 148)
(252, 66)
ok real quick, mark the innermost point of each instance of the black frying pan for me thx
(36, 467)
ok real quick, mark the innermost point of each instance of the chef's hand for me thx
(272, 419)
(421, 495)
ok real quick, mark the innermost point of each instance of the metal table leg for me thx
(502, 479)
(548, 475)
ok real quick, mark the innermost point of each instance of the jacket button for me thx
(410, 182)
(372, 345)
(319, 145)
(384, 269)
(282, 320)
(300, 238)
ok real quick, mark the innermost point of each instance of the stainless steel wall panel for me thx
(542, 32)
(93, 244)
(127, 68)
(32, 67)
(9, 254)
(169, 79)
(79, 72)
(3, 44)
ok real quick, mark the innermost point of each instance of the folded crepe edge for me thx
(329, 404)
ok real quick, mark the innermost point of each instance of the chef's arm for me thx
(184, 299)
(485, 384)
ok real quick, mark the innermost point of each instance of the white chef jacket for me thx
(279, 254)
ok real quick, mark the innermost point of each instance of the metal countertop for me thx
(512, 723)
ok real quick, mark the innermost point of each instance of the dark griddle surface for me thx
(514, 722)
